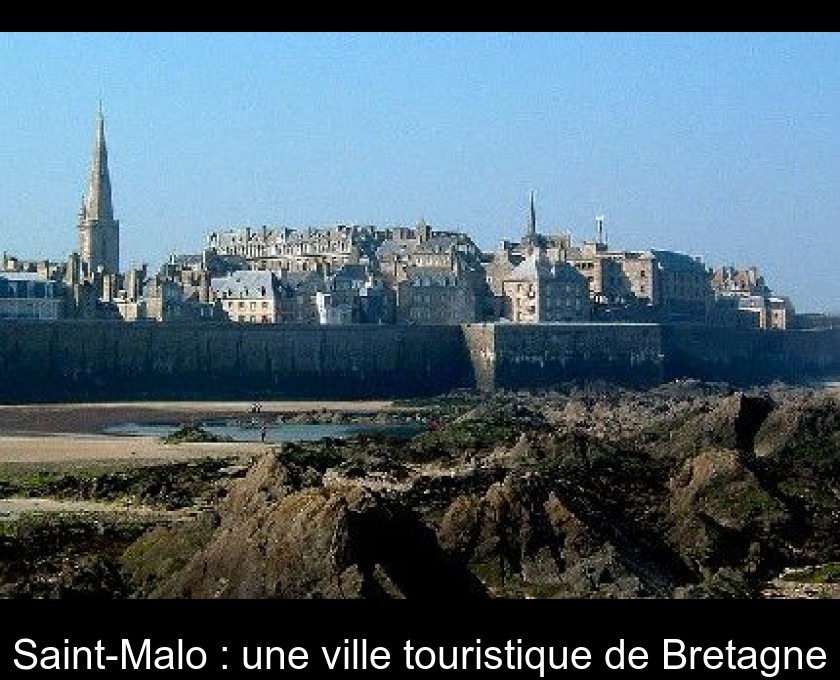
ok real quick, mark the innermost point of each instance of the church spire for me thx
(99, 232)
(532, 219)
(98, 206)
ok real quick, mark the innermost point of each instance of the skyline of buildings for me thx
(398, 275)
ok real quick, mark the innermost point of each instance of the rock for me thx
(276, 540)
(723, 517)
(803, 426)
(731, 424)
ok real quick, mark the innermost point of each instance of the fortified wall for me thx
(542, 355)
(97, 360)
(747, 356)
(94, 360)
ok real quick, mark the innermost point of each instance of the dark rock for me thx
(732, 424)
(276, 540)
(723, 517)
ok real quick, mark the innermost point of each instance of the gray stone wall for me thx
(544, 355)
(96, 360)
(89, 360)
(750, 356)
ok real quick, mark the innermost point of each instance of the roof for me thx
(532, 269)
(245, 283)
(296, 280)
(23, 276)
(351, 271)
(187, 259)
(529, 270)
(432, 276)
(439, 243)
(669, 259)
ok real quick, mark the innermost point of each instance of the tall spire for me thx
(99, 232)
(98, 206)
(532, 219)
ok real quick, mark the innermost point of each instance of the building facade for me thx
(289, 250)
(26, 295)
(742, 298)
(538, 291)
(249, 296)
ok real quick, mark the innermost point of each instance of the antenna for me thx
(599, 223)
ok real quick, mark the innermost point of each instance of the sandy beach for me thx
(70, 432)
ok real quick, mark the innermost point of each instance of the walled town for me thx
(362, 274)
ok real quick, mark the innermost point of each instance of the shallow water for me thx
(275, 432)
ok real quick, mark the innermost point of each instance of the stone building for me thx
(650, 285)
(538, 291)
(250, 296)
(608, 284)
(299, 302)
(752, 311)
(681, 286)
(429, 295)
(339, 302)
(779, 313)
(27, 295)
(377, 302)
(437, 276)
(422, 247)
(45, 269)
(355, 294)
(743, 298)
(732, 280)
(289, 250)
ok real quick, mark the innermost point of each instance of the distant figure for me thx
(263, 432)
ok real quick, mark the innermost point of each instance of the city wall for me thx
(96, 360)
(519, 355)
(93, 360)
(747, 356)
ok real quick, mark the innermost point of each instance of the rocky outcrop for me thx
(723, 519)
(707, 493)
(807, 424)
(730, 424)
(282, 536)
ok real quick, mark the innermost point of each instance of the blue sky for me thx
(722, 145)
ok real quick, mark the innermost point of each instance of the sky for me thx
(725, 146)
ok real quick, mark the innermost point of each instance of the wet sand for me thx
(70, 432)
(51, 448)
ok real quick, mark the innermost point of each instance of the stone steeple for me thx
(98, 205)
(99, 232)
(532, 239)
(532, 220)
